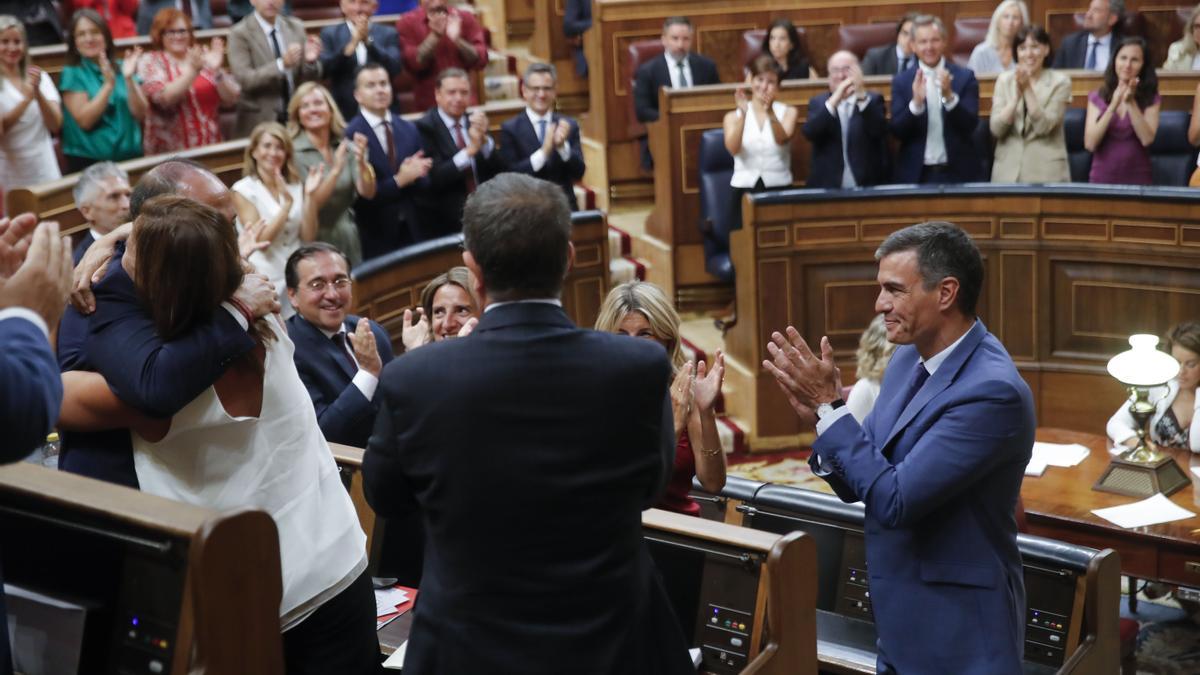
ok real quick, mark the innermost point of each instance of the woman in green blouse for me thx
(317, 128)
(104, 105)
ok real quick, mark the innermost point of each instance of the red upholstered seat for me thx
(220, 13)
(859, 37)
(968, 32)
(752, 41)
(311, 10)
(640, 52)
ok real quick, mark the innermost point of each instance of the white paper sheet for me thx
(1057, 454)
(1035, 467)
(396, 660)
(1149, 511)
(386, 600)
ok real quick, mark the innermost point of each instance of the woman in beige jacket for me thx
(1027, 115)
(1184, 53)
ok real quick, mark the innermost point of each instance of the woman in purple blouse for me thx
(1122, 117)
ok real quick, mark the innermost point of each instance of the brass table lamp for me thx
(1143, 470)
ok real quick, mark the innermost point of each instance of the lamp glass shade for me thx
(1143, 365)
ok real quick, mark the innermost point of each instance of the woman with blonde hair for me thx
(994, 54)
(270, 191)
(30, 111)
(1184, 53)
(185, 85)
(317, 129)
(874, 352)
(639, 309)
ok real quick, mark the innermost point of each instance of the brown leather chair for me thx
(752, 41)
(968, 32)
(640, 52)
(312, 10)
(859, 37)
(220, 14)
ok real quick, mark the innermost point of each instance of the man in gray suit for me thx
(896, 57)
(270, 56)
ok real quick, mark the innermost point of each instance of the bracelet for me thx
(713, 452)
(245, 310)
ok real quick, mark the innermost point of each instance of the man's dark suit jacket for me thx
(577, 19)
(655, 74)
(31, 392)
(85, 242)
(867, 148)
(441, 206)
(518, 140)
(344, 414)
(121, 342)
(1072, 53)
(387, 221)
(881, 60)
(530, 448)
(957, 127)
(383, 47)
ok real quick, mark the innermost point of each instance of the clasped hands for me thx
(805, 379)
(695, 390)
(944, 79)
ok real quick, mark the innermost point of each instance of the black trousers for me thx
(337, 638)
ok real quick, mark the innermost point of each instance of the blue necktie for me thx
(542, 130)
(915, 383)
(1090, 63)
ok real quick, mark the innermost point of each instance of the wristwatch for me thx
(826, 409)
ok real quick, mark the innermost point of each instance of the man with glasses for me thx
(434, 37)
(847, 128)
(543, 143)
(339, 356)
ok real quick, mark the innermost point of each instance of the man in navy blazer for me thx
(577, 20)
(124, 330)
(938, 463)
(1092, 47)
(541, 142)
(678, 66)
(935, 110)
(102, 198)
(339, 356)
(387, 221)
(847, 129)
(463, 154)
(348, 46)
(575, 424)
(33, 295)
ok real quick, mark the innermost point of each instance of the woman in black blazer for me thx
(783, 43)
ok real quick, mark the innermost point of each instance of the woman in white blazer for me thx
(1175, 422)
(1027, 114)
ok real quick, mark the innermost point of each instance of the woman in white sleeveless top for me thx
(30, 111)
(251, 440)
(270, 190)
(759, 135)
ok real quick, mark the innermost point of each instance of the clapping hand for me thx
(918, 87)
(453, 26)
(365, 349)
(805, 379)
(195, 58)
(944, 79)
(42, 279)
(214, 54)
(1022, 77)
(681, 397)
(317, 173)
(15, 237)
(279, 186)
(741, 99)
(562, 131)
(844, 91)
(415, 332)
(250, 238)
(414, 167)
(130, 63)
(30, 85)
(706, 386)
(291, 55)
(106, 69)
(362, 29)
(312, 49)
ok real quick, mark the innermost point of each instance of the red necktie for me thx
(391, 144)
(470, 170)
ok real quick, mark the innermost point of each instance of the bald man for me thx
(847, 129)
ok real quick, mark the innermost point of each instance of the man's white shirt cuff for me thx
(366, 383)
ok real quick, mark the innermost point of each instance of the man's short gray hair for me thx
(89, 181)
(542, 69)
(928, 20)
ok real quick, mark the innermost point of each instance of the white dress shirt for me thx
(538, 159)
(360, 49)
(461, 158)
(935, 140)
(673, 68)
(1103, 50)
(283, 45)
(366, 382)
(843, 113)
(377, 124)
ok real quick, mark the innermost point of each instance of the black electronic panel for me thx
(130, 579)
(1050, 602)
(714, 591)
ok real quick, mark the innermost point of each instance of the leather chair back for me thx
(312, 10)
(640, 52)
(1172, 158)
(1079, 159)
(859, 37)
(985, 149)
(752, 42)
(968, 32)
(716, 197)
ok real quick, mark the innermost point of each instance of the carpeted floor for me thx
(1168, 640)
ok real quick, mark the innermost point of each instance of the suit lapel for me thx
(449, 147)
(937, 382)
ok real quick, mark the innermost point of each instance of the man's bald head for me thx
(840, 66)
(187, 178)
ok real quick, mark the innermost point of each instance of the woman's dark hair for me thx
(1039, 34)
(765, 63)
(73, 56)
(1147, 79)
(796, 54)
(186, 262)
(1186, 335)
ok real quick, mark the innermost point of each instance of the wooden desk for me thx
(1059, 503)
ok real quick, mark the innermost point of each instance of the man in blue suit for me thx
(938, 462)
(339, 356)
(847, 128)
(541, 142)
(33, 292)
(935, 109)
(348, 46)
(102, 198)
(388, 220)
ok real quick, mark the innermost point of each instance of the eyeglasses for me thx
(175, 32)
(319, 285)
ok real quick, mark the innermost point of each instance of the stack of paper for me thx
(1054, 454)
(1150, 511)
(387, 599)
